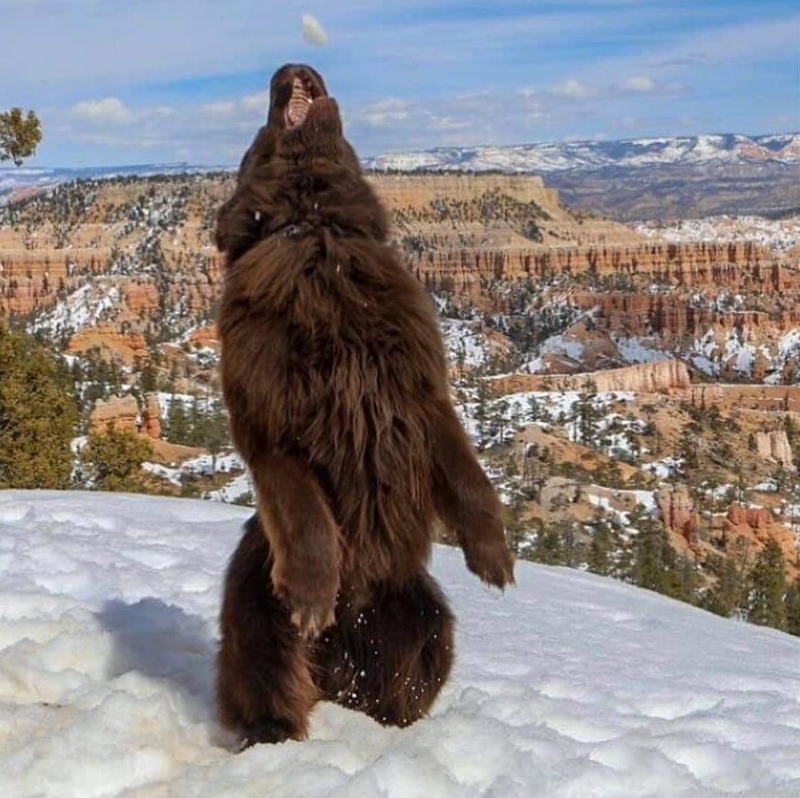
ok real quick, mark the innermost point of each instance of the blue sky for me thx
(140, 81)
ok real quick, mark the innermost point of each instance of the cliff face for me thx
(124, 265)
(774, 445)
(735, 266)
(420, 192)
(146, 245)
(654, 377)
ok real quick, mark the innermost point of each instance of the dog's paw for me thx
(490, 559)
(311, 601)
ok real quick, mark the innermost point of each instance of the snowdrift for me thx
(567, 685)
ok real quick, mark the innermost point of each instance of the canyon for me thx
(132, 254)
(536, 300)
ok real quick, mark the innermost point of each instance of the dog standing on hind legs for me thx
(335, 378)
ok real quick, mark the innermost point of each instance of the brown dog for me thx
(335, 378)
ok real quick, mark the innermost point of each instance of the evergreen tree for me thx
(654, 561)
(481, 408)
(685, 580)
(792, 608)
(767, 587)
(195, 423)
(38, 415)
(148, 378)
(600, 561)
(586, 416)
(548, 547)
(114, 459)
(216, 434)
(178, 428)
(689, 445)
(726, 596)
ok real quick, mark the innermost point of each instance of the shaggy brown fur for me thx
(335, 378)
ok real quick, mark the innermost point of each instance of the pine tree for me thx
(726, 596)
(767, 587)
(586, 416)
(548, 548)
(38, 415)
(177, 422)
(791, 603)
(600, 561)
(114, 459)
(216, 434)
(654, 561)
(195, 423)
(148, 378)
(689, 445)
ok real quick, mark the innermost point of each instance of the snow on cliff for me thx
(567, 685)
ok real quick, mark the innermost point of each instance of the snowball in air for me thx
(312, 31)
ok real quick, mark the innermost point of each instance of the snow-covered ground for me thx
(779, 234)
(84, 307)
(567, 685)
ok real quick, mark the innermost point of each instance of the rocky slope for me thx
(540, 305)
(127, 263)
(666, 177)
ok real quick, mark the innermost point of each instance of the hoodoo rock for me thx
(774, 445)
(122, 411)
(678, 512)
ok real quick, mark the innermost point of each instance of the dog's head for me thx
(292, 92)
(304, 120)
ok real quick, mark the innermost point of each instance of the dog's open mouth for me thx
(303, 95)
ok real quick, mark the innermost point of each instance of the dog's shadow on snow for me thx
(163, 642)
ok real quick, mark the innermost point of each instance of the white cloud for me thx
(221, 108)
(385, 112)
(158, 112)
(573, 89)
(256, 102)
(109, 110)
(449, 123)
(639, 83)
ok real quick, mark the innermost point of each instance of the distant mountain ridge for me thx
(597, 155)
(13, 180)
(669, 177)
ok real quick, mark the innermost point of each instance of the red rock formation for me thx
(122, 411)
(127, 347)
(151, 417)
(678, 513)
(652, 377)
(759, 524)
(775, 446)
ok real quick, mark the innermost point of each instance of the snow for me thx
(543, 157)
(778, 234)
(601, 497)
(238, 488)
(559, 345)
(465, 341)
(312, 30)
(165, 400)
(84, 307)
(567, 685)
(665, 467)
(634, 350)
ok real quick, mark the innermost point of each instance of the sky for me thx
(118, 82)
(567, 684)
